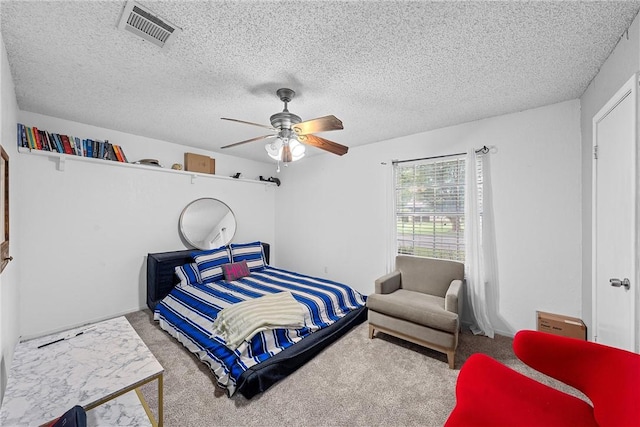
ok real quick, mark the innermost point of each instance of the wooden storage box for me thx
(565, 326)
(199, 163)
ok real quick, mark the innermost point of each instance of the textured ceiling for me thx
(387, 69)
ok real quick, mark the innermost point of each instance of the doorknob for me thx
(625, 283)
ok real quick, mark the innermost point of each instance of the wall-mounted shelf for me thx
(61, 160)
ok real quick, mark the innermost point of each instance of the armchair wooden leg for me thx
(451, 359)
(371, 331)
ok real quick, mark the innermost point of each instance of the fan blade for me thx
(248, 123)
(321, 124)
(325, 144)
(258, 138)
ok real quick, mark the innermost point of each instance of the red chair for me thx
(489, 393)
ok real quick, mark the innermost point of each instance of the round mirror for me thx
(207, 223)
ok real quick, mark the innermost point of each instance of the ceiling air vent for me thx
(143, 23)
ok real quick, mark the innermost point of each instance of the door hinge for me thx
(595, 152)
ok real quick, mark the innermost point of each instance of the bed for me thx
(185, 312)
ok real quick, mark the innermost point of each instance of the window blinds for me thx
(429, 207)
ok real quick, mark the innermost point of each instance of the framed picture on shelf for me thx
(4, 209)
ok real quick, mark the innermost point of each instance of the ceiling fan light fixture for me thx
(275, 150)
(297, 149)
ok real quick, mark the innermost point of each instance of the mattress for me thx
(188, 313)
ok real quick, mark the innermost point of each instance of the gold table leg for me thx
(160, 402)
(160, 421)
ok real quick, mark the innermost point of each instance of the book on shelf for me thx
(59, 146)
(22, 136)
(120, 154)
(72, 144)
(31, 144)
(34, 135)
(50, 142)
(124, 157)
(53, 142)
(116, 150)
(43, 141)
(66, 144)
(26, 137)
(38, 139)
(19, 134)
(111, 154)
(78, 143)
(34, 141)
(104, 150)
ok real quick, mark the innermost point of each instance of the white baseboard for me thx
(77, 325)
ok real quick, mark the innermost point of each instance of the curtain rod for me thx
(483, 150)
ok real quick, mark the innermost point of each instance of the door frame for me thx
(630, 88)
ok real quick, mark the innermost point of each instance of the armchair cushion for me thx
(428, 275)
(423, 309)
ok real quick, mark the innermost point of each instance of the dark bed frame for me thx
(161, 279)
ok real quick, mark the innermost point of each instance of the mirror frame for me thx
(190, 239)
(4, 199)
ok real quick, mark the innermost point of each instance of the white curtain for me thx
(480, 262)
(392, 227)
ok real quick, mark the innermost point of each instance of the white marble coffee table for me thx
(107, 361)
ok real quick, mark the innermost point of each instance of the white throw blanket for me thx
(240, 322)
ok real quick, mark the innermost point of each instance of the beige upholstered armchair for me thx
(420, 302)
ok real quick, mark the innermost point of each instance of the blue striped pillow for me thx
(188, 274)
(250, 252)
(210, 263)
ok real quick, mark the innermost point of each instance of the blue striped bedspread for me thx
(188, 313)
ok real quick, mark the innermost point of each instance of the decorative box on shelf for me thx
(199, 163)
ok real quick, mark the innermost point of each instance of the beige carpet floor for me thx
(356, 381)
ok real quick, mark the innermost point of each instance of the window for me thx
(429, 207)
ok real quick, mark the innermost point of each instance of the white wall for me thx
(333, 213)
(85, 231)
(617, 69)
(9, 290)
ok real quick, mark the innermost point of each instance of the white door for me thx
(615, 282)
